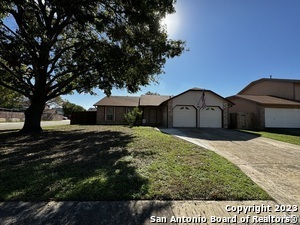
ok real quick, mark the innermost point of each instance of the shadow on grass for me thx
(68, 165)
(81, 170)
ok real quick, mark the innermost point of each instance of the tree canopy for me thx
(151, 93)
(9, 99)
(53, 47)
(69, 108)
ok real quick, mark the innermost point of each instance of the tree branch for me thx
(29, 46)
(22, 92)
(6, 68)
(54, 60)
(57, 89)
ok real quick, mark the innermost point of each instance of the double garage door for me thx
(186, 116)
(282, 118)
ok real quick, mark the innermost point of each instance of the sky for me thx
(231, 43)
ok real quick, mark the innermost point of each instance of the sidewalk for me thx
(19, 125)
(143, 212)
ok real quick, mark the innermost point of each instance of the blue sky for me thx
(231, 42)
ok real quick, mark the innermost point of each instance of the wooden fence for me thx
(242, 120)
(10, 115)
(84, 118)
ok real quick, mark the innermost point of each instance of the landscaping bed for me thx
(115, 163)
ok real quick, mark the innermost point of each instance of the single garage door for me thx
(211, 117)
(184, 116)
(282, 118)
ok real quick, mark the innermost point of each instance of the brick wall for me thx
(225, 115)
(170, 113)
(100, 115)
(261, 117)
(119, 116)
(165, 115)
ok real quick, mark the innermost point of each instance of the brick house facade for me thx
(182, 110)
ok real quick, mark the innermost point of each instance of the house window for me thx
(110, 114)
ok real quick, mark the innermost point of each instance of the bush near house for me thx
(133, 116)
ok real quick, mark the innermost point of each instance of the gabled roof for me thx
(130, 101)
(267, 100)
(153, 100)
(268, 80)
(146, 100)
(201, 90)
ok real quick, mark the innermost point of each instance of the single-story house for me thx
(271, 103)
(111, 110)
(192, 108)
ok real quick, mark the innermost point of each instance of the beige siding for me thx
(242, 105)
(272, 87)
(193, 97)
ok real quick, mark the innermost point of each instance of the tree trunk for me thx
(33, 117)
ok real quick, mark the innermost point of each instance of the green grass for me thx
(115, 163)
(291, 136)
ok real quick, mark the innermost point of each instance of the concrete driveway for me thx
(273, 165)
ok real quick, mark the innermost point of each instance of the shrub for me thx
(133, 116)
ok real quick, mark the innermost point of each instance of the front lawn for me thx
(115, 163)
(291, 136)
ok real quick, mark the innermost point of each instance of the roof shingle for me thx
(153, 100)
(130, 101)
(268, 100)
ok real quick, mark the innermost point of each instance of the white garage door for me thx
(282, 118)
(211, 117)
(184, 116)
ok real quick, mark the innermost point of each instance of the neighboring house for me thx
(192, 108)
(92, 109)
(53, 114)
(267, 103)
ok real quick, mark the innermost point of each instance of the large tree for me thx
(53, 47)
